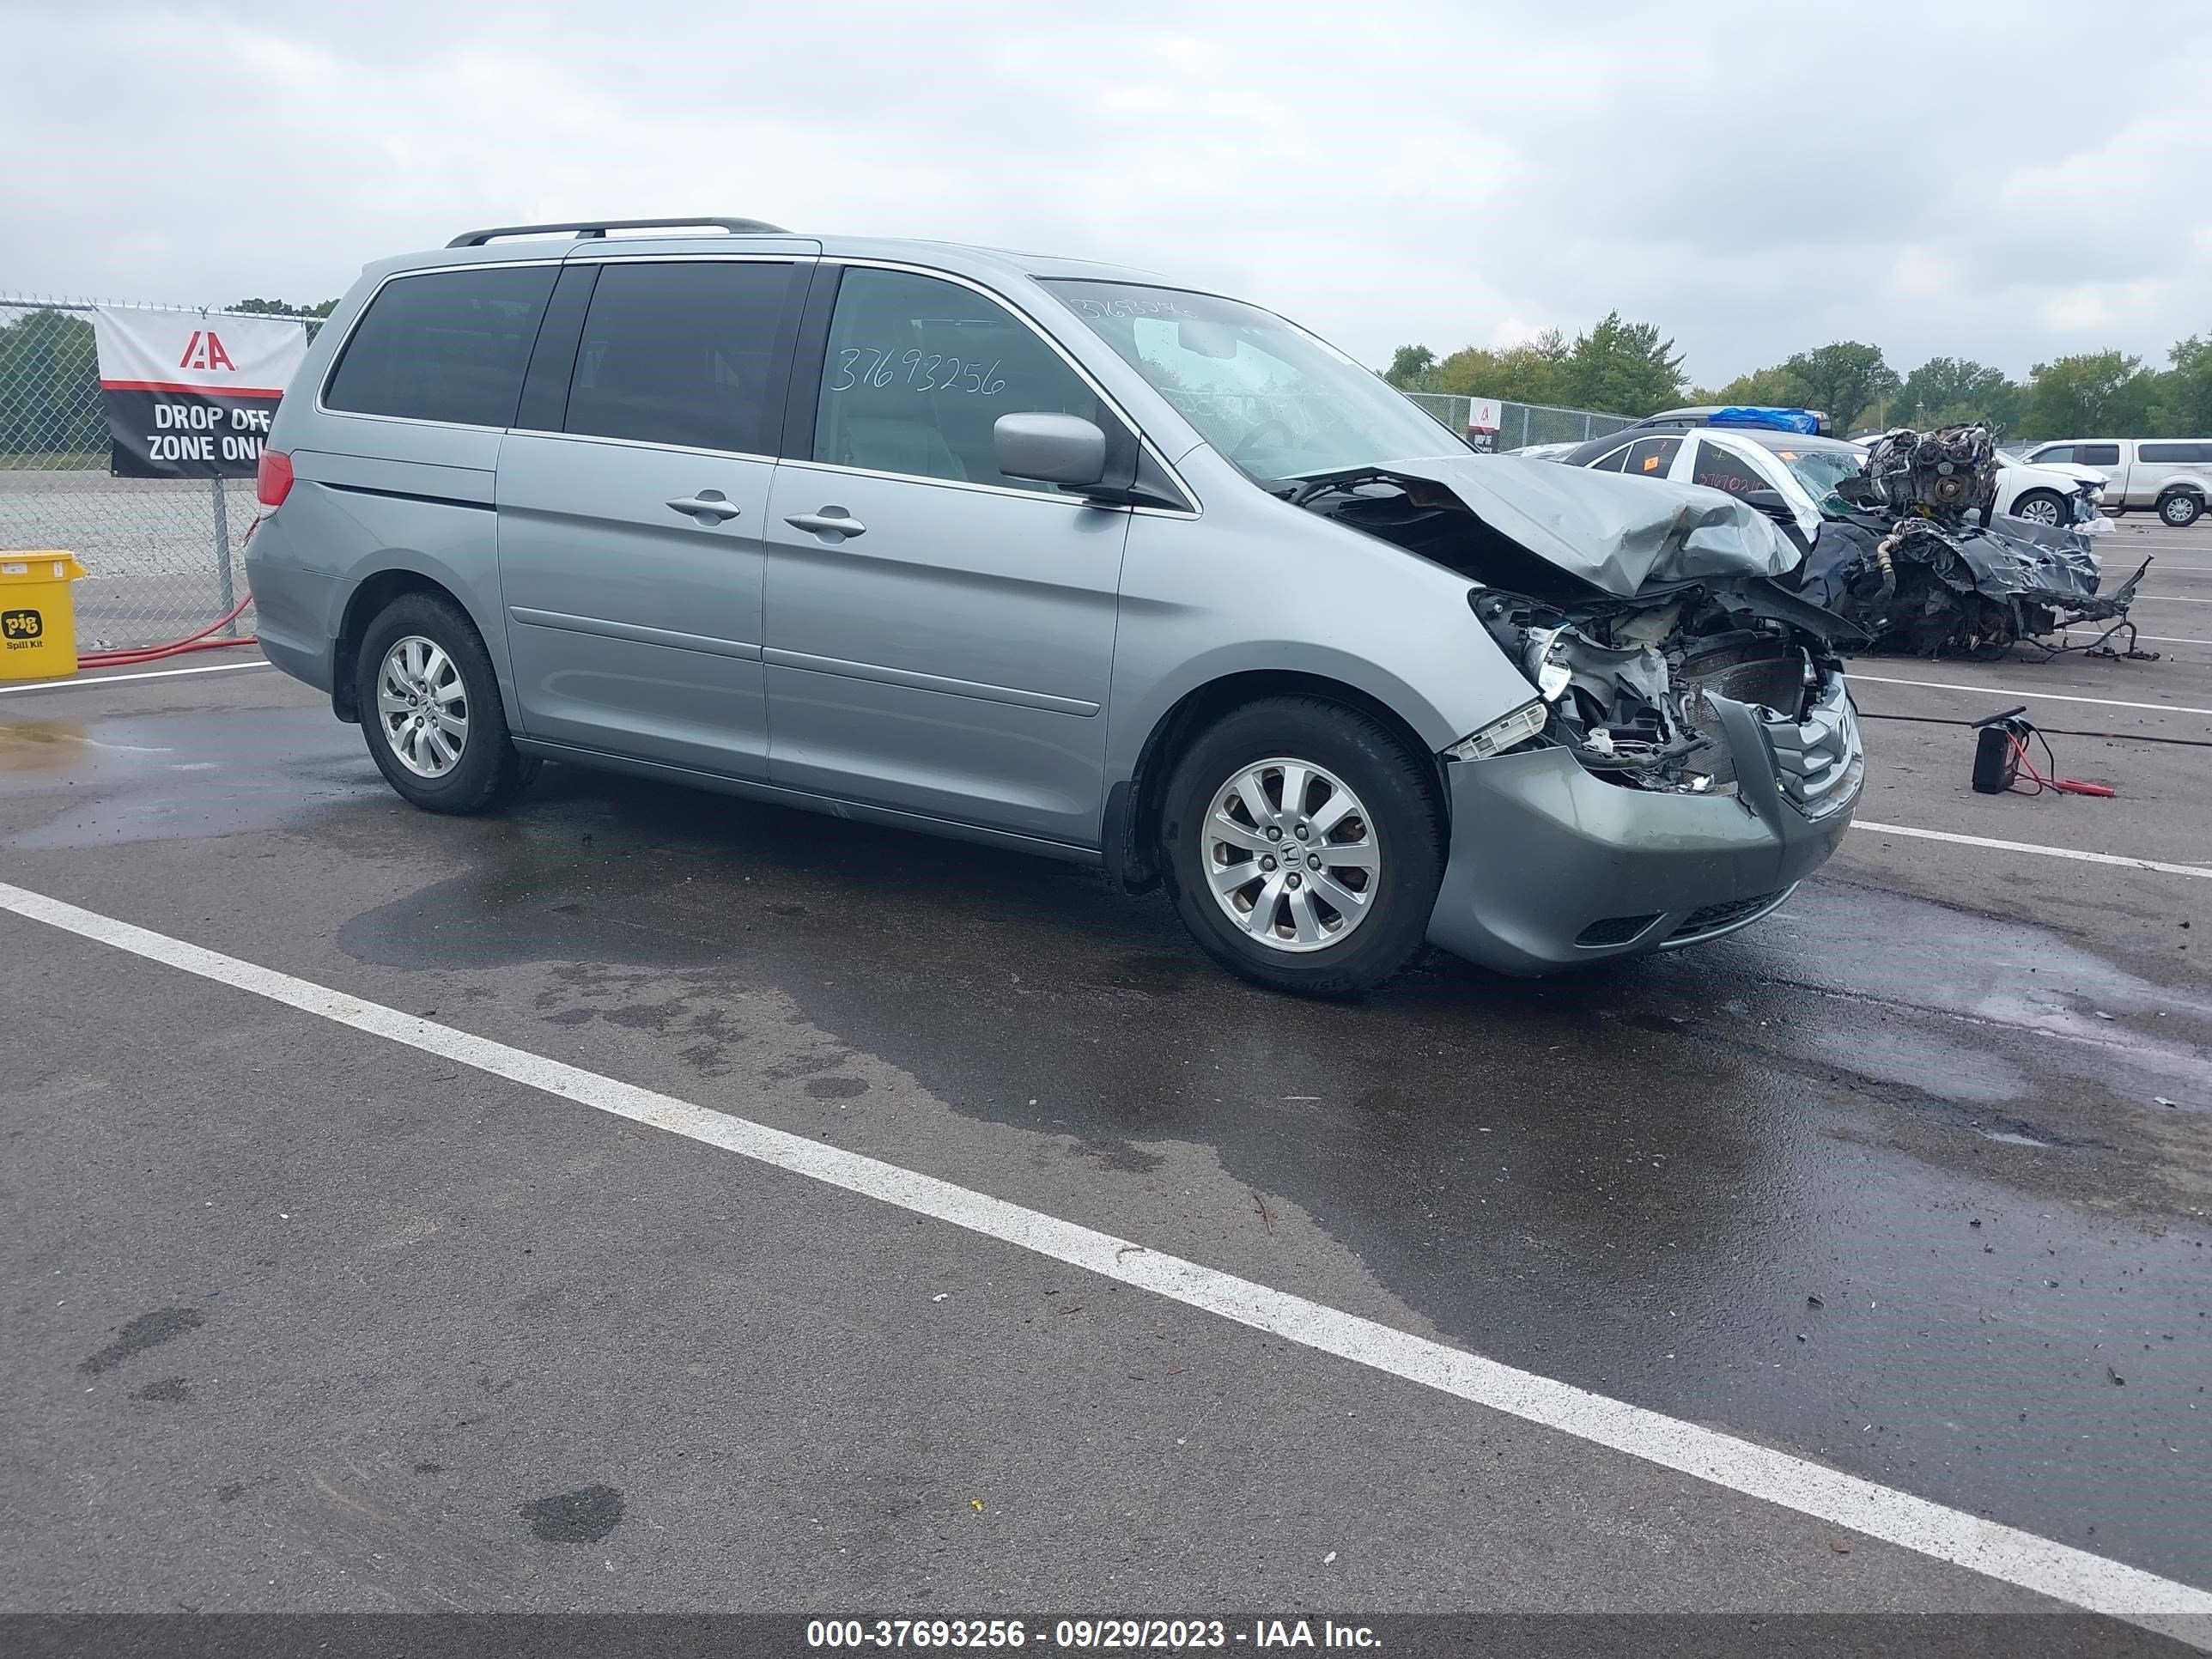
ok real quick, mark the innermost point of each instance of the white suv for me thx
(2170, 476)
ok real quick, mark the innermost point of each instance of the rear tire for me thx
(1339, 901)
(2180, 510)
(430, 710)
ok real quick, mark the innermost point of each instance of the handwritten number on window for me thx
(871, 366)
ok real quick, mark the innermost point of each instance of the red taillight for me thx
(274, 481)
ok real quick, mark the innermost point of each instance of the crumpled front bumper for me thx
(1552, 867)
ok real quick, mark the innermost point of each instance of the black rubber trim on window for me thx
(782, 380)
(405, 496)
(811, 350)
(545, 403)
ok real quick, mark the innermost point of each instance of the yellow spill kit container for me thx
(38, 622)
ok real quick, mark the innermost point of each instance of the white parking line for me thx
(97, 678)
(2032, 847)
(2040, 1564)
(2171, 598)
(2011, 691)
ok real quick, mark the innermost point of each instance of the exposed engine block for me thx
(1947, 473)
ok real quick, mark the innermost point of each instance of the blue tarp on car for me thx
(1775, 420)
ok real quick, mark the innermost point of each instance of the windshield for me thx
(1279, 403)
(1822, 469)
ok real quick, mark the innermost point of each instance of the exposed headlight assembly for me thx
(1551, 679)
(1502, 733)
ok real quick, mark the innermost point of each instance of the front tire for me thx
(2041, 507)
(1303, 845)
(2180, 510)
(430, 710)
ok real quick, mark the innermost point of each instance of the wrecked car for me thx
(1912, 553)
(1048, 556)
(2050, 493)
(1925, 563)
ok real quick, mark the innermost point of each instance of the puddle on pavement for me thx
(166, 777)
(999, 966)
(36, 746)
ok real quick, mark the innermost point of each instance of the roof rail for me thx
(599, 228)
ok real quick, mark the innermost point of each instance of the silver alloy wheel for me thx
(424, 705)
(2045, 511)
(1291, 855)
(2179, 511)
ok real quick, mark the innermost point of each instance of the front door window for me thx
(918, 372)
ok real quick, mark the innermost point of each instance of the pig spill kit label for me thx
(189, 394)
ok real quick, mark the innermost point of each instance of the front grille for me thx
(1710, 917)
(1815, 761)
(1614, 930)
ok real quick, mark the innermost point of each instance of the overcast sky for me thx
(2006, 181)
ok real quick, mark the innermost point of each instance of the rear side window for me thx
(448, 345)
(2096, 455)
(1718, 470)
(683, 353)
(1612, 461)
(919, 371)
(2177, 454)
(1649, 457)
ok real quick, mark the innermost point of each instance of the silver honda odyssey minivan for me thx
(1047, 554)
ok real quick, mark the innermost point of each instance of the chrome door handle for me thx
(706, 505)
(831, 522)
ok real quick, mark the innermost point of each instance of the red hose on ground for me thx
(2063, 786)
(199, 642)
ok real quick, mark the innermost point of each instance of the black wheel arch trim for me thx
(367, 602)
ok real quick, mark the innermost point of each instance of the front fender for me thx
(1263, 586)
(1137, 720)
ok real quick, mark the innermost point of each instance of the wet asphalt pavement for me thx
(1915, 1179)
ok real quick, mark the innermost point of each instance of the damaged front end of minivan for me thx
(1691, 748)
(1637, 688)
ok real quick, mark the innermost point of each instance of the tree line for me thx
(50, 388)
(1626, 369)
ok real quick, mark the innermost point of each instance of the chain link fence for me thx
(1519, 424)
(162, 553)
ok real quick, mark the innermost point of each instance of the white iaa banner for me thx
(189, 394)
